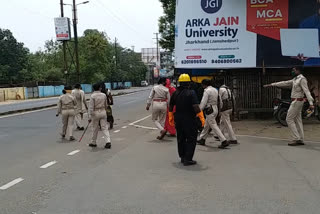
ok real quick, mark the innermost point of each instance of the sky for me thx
(133, 22)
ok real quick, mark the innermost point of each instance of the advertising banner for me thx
(62, 28)
(246, 33)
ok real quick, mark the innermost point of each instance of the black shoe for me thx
(189, 163)
(201, 142)
(72, 138)
(224, 145)
(217, 138)
(93, 145)
(234, 142)
(81, 129)
(63, 135)
(108, 146)
(296, 143)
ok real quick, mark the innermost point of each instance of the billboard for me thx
(247, 33)
(62, 28)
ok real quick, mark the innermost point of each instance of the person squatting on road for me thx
(299, 85)
(187, 109)
(97, 114)
(168, 127)
(227, 99)
(81, 105)
(159, 98)
(66, 106)
(209, 105)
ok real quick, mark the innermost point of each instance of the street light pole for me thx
(76, 45)
(64, 48)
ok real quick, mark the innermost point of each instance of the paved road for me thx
(141, 175)
(27, 104)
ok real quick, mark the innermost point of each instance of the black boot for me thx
(189, 163)
(108, 146)
(93, 145)
(201, 142)
(224, 145)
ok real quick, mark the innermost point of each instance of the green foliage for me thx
(167, 24)
(96, 56)
(13, 56)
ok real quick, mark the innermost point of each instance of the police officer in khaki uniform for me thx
(159, 98)
(66, 106)
(226, 110)
(300, 88)
(97, 114)
(209, 105)
(81, 105)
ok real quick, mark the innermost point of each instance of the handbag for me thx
(227, 104)
(208, 110)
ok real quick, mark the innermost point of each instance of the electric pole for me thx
(76, 47)
(64, 48)
(157, 40)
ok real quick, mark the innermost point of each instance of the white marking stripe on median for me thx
(131, 124)
(116, 131)
(74, 152)
(12, 183)
(125, 127)
(48, 164)
(145, 127)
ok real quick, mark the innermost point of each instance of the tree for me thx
(95, 56)
(167, 25)
(13, 56)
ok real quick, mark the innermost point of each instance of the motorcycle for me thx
(281, 108)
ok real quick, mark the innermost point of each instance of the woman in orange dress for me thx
(168, 128)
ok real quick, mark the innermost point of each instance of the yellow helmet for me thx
(184, 78)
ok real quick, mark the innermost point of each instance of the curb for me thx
(54, 105)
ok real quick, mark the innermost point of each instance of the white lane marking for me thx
(125, 127)
(271, 138)
(74, 152)
(28, 112)
(145, 127)
(116, 131)
(48, 164)
(138, 121)
(12, 183)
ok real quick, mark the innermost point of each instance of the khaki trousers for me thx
(159, 114)
(225, 125)
(68, 121)
(78, 118)
(212, 123)
(100, 117)
(294, 120)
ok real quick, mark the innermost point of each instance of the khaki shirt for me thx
(210, 98)
(299, 87)
(80, 98)
(159, 92)
(98, 102)
(66, 102)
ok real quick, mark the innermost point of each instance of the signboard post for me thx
(62, 28)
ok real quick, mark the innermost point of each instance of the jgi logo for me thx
(211, 6)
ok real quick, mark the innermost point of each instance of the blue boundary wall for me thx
(51, 91)
(108, 85)
(87, 88)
